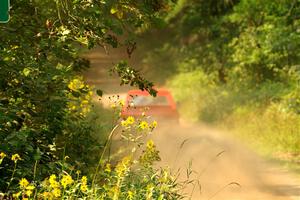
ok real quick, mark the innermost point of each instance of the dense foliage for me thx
(227, 56)
(44, 103)
(247, 41)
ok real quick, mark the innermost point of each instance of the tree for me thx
(41, 94)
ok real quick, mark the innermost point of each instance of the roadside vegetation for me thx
(131, 177)
(55, 144)
(230, 63)
(235, 65)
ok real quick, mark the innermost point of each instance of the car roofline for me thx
(159, 91)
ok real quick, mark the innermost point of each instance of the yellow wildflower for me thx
(53, 182)
(150, 155)
(123, 166)
(28, 193)
(66, 180)
(83, 187)
(2, 155)
(76, 84)
(15, 157)
(130, 195)
(113, 106)
(150, 189)
(154, 124)
(150, 144)
(130, 120)
(16, 195)
(56, 192)
(84, 179)
(121, 103)
(72, 106)
(23, 183)
(143, 125)
(108, 168)
(124, 123)
(24, 198)
(52, 177)
(84, 102)
(46, 195)
(30, 187)
(86, 109)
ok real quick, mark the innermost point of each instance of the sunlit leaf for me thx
(26, 71)
(99, 92)
(113, 10)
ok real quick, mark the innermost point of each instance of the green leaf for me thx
(38, 154)
(99, 93)
(113, 10)
(26, 71)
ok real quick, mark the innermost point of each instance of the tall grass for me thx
(265, 117)
(272, 131)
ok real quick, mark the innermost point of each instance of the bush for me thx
(132, 177)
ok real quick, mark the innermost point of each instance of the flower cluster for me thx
(83, 186)
(27, 189)
(129, 121)
(66, 181)
(76, 84)
(15, 157)
(123, 167)
(149, 155)
(51, 188)
(133, 129)
(120, 172)
(131, 177)
(141, 124)
(80, 97)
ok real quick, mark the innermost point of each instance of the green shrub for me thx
(132, 177)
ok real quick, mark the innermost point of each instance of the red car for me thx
(162, 105)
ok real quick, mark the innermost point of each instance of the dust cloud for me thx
(224, 168)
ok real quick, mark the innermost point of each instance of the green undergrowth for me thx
(133, 176)
(264, 117)
(271, 131)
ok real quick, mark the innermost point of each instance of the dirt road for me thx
(218, 159)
